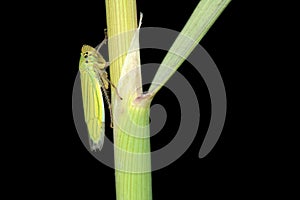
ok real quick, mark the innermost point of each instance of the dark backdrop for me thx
(62, 165)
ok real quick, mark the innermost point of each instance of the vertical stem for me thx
(132, 156)
(121, 17)
(132, 143)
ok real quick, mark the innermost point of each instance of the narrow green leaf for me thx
(203, 17)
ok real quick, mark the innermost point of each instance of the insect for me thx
(94, 84)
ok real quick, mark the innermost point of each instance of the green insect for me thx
(94, 81)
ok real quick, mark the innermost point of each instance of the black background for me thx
(240, 161)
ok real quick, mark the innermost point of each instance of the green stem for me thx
(121, 18)
(132, 155)
(131, 115)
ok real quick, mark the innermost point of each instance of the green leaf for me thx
(203, 17)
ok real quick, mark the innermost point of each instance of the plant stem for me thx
(121, 18)
(132, 156)
(131, 116)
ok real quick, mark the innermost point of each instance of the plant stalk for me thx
(131, 116)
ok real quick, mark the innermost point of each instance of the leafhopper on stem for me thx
(94, 84)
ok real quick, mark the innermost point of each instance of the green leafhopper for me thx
(94, 81)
